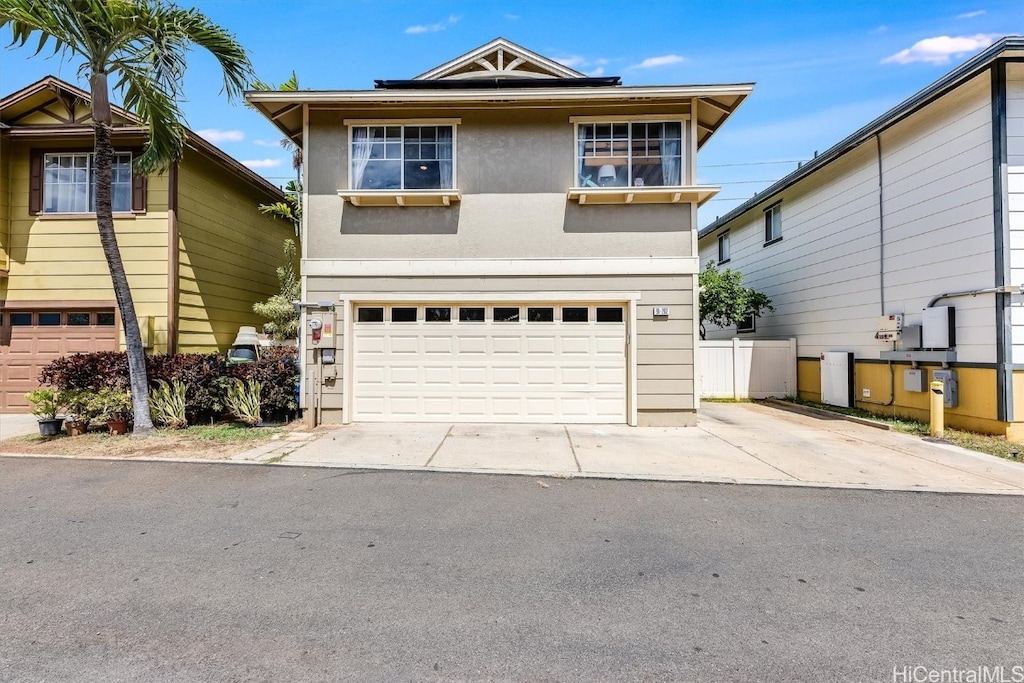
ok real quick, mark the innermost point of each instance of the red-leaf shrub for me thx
(205, 377)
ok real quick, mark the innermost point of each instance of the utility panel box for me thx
(837, 378)
(913, 380)
(911, 337)
(939, 327)
(889, 327)
(950, 393)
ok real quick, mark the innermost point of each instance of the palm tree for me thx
(142, 45)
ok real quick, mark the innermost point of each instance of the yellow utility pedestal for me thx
(937, 408)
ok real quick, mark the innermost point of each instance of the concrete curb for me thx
(607, 476)
(818, 412)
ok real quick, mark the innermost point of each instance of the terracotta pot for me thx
(117, 427)
(76, 428)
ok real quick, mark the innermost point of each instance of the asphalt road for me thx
(130, 571)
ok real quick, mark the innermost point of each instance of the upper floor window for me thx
(629, 154)
(773, 223)
(402, 157)
(723, 247)
(69, 183)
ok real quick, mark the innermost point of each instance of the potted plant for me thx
(114, 407)
(80, 411)
(46, 404)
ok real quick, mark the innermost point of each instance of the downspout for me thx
(173, 257)
(1000, 215)
(881, 273)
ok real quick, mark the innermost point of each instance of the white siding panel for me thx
(1015, 191)
(824, 276)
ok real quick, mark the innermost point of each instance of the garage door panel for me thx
(503, 371)
(26, 349)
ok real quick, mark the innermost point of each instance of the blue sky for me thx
(822, 68)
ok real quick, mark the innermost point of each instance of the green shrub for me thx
(167, 404)
(46, 403)
(243, 401)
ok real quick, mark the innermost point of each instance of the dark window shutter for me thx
(138, 191)
(35, 182)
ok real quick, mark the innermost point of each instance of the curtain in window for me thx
(670, 157)
(361, 146)
(444, 156)
(581, 152)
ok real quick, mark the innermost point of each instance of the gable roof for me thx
(499, 58)
(503, 75)
(50, 90)
(1008, 47)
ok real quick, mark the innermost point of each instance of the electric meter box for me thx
(889, 327)
(913, 380)
(910, 337)
(950, 394)
(939, 327)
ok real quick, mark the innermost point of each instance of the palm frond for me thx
(160, 111)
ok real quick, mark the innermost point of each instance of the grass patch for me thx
(230, 433)
(983, 443)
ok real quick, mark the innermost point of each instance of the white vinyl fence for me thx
(747, 368)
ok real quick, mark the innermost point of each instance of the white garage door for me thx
(489, 363)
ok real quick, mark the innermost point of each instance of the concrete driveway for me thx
(12, 425)
(738, 443)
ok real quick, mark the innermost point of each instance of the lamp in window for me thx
(606, 175)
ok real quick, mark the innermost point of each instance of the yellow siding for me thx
(5, 191)
(60, 259)
(228, 254)
(976, 412)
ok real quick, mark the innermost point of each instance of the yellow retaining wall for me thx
(977, 407)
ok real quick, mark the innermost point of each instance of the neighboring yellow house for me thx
(197, 251)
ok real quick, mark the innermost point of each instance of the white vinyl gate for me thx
(747, 368)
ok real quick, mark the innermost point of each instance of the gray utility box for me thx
(911, 337)
(913, 380)
(950, 394)
(939, 327)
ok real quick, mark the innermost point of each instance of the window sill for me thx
(771, 242)
(643, 195)
(85, 216)
(724, 261)
(400, 197)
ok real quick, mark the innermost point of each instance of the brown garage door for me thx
(31, 338)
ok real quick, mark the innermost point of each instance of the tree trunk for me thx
(102, 160)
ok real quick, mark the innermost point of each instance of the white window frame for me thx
(748, 324)
(684, 144)
(723, 253)
(773, 223)
(353, 124)
(48, 187)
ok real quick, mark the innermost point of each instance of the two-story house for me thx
(501, 239)
(914, 222)
(197, 251)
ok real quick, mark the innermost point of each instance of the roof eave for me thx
(1008, 47)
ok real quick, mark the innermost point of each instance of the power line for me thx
(754, 163)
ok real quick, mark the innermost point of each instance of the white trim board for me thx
(685, 265)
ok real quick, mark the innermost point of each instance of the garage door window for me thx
(575, 315)
(471, 315)
(49, 319)
(370, 315)
(78, 319)
(105, 319)
(403, 314)
(540, 315)
(437, 314)
(506, 315)
(21, 319)
(609, 315)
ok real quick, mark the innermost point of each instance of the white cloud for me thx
(432, 28)
(571, 62)
(599, 71)
(971, 15)
(217, 136)
(267, 143)
(512, 17)
(262, 163)
(663, 60)
(941, 49)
